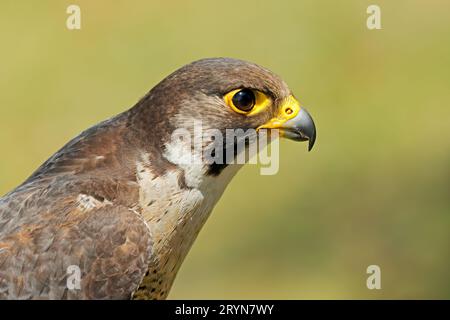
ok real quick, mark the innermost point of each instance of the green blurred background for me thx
(376, 188)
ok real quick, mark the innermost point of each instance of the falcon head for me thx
(222, 94)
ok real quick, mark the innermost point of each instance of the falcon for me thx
(114, 212)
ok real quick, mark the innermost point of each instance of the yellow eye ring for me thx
(247, 101)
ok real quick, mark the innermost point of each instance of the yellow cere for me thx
(289, 109)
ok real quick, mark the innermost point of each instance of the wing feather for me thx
(110, 244)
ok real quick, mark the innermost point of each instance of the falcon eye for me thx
(244, 100)
(247, 101)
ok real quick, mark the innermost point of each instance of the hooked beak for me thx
(294, 122)
(300, 128)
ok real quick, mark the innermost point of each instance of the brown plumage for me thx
(114, 203)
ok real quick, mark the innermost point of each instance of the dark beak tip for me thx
(310, 130)
(311, 142)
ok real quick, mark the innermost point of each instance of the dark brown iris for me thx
(244, 100)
